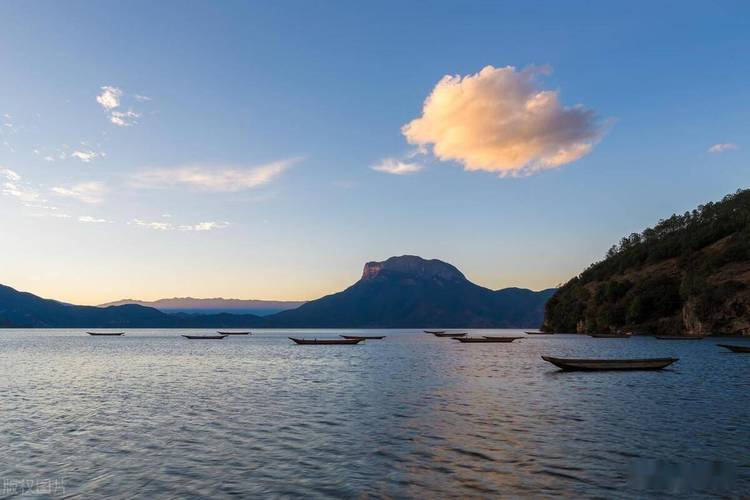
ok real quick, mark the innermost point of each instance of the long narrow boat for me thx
(677, 337)
(434, 331)
(735, 348)
(571, 364)
(325, 341)
(486, 340)
(204, 337)
(611, 335)
(106, 334)
(450, 335)
(233, 333)
(363, 337)
(537, 333)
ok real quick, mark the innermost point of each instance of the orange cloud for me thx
(498, 120)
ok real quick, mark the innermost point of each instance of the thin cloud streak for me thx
(723, 147)
(86, 192)
(212, 179)
(397, 167)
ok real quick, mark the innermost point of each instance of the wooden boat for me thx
(677, 337)
(735, 348)
(233, 333)
(326, 341)
(486, 340)
(106, 334)
(434, 331)
(450, 335)
(363, 337)
(611, 335)
(204, 337)
(571, 364)
(537, 333)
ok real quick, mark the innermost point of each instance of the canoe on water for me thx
(570, 364)
(325, 341)
(486, 340)
(434, 331)
(735, 348)
(204, 337)
(677, 337)
(363, 337)
(537, 333)
(234, 333)
(106, 334)
(450, 335)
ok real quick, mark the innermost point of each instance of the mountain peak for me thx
(415, 266)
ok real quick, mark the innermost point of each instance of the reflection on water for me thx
(153, 414)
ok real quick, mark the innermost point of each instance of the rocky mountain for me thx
(688, 275)
(411, 292)
(192, 305)
(25, 310)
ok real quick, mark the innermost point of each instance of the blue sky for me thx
(243, 168)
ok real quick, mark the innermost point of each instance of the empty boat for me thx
(537, 333)
(486, 340)
(204, 337)
(571, 364)
(450, 335)
(325, 341)
(611, 335)
(363, 337)
(234, 333)
(735, 348)
(106, 334)
(434, 331)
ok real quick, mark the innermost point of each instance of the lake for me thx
(155, 415)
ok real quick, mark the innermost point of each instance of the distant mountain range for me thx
(192, 305)
(401, 292)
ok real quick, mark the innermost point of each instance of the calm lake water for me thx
(152, 414)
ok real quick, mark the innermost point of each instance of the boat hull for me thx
(486, 340)
(434, 331)
(325, 341)
(107, 334)
(570, 364)
(363, 337)
(450, 335)
(234, 333)
(204, 337)
(736, 348)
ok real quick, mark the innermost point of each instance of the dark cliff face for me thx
(411, 292)
(688, 275)
(413, 266)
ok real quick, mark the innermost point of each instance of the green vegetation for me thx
(647, 280)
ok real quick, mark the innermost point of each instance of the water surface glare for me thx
(155, 415)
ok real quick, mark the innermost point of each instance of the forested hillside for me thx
(689, 274)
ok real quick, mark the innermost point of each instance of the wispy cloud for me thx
(722, 147)
(110, 97)
(87, 219)
(213, 179)
(12, 185)
(397, 167)
(499, 120)
(85, 156)
(124, 118)
(168, 226)
(86, 192)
